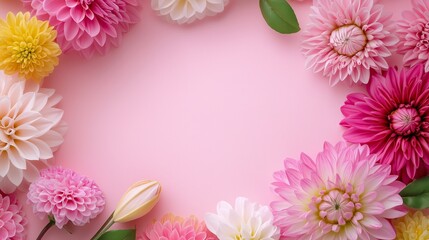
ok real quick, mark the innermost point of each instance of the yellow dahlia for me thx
(27, 46)
(413, 226)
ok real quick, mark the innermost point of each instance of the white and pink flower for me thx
(346, 39)
(342, 194)
(187, 11)
(30, 130)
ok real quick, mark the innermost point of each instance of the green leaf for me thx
(129, 234)
(416, 194)
(279, 15)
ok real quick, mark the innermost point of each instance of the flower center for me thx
(405, 121)
(26, 52)
(348, 40)
(423, 44)
(86, 3)
(336, 207)
(7, 130)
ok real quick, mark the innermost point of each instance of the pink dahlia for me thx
(65, 196)
(343, 194)
(393, 120)
(177, 228)
(87, 26)
(346, 39)
(413, 32)
(12, 218)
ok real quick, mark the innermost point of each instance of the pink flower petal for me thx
(77, 14)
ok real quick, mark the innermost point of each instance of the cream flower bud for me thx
(139, 199)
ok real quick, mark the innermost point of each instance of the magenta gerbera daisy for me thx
(392, 118)
(346, 39)
(87, 26)
(342, 194)
(413, 32)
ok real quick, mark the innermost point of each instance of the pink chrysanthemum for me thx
(66, 196)
(177, 228)
(87, 26)
(343, 194)
(12, 218)
(413, 32)
(346, 39)
(393, 120)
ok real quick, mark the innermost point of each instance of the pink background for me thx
(209, 109)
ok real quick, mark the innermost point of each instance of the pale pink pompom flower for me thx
(87, 26)
(173, 227)
(392, 118)
(413, 30)
(65, 196)
(347, 39)
(31, 129)
(12, 218)
(343, 194)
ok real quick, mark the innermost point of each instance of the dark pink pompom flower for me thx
(393, 120)
(66, 196)
(12, 218)
(87, 26)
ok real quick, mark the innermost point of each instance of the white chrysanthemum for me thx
(186, 11)
(30, 130)
(246, 221)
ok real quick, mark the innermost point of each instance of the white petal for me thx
(40, 102)
(27, 101)
(27, 117)
(4, 164)
(198, 5)
(45, 150)
(15, 175)
(53, 114)
(52, 138)
(212, 222)
(16, 91)
(27, 150)
(16, 159)
(31, 173)
(43, 125)
(4, 106)
(25, 132)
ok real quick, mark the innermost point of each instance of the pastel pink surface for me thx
(209, 109)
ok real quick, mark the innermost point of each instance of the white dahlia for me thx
(186, 11)
(30, 130)
(245, 221)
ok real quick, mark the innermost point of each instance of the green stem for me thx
(107, 224)
(45, 229)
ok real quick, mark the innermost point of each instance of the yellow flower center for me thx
(25, 53)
